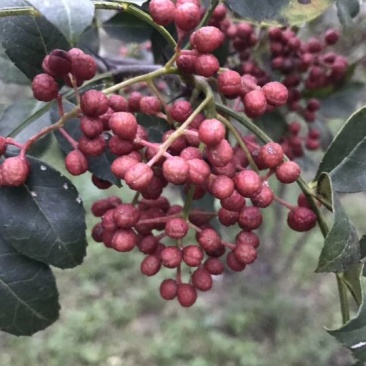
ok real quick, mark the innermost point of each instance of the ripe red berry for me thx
(118, 103)
(247, 238)
(138, 176)
(58, 63)
(126, 216)
(233, 203)
(331, 36)
(209, 240)
(176, 228)
(302, 201)
(276, 93)
(206, 65)
(3, 145)
(15, 171)
(181, 110)
(233, 262)
(211, 132)
(248, 183)
(134, 101)
(288, 172)
(124, 240)
(264, 198)
(227, 218)
(207, 39)
(229, 83)
(148, 244)
(186, 61)
(192, 255)
(301, 219)
(92, 147)
(175, 170)
(171, 257)
(168, 289)
(76, 163)
(97, 233)
(120, 166)
(250, 218)
(150, 105)
(91, 127)
(220, 154)
(83, 66)
(214, 266)
(124, 125)
(255, 103)
(162, 11)
(201, 279)
(222, 187)
(187, 16)
(94, 103)
(199, 171)
(270, 155)
(245, 253)
(44, 87)
(150, 265)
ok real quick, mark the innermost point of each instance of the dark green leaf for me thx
(340, 103)
(363, 247)
(127, 28)
(26, 40)
(45, 218)
(161, 49)
(89, 41)
(14, 116)
(9, 73)
(274, 124)
(341, 249)
(156, 127)
(29, 297)
(352, 334)
(99, 166)
(352, 278)
(278, 12)
(70, 17)
(345, 158)
(346, 10)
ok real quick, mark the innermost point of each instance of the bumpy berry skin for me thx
(255, 103)
(176, 228)
(331, 36)
(150, 265)
(245, 253)
(76, 163)
(126, 215)
(199, 171)
(91, 127)
(209, 240)
(168, 289)
(276, 93)
(233, 262)
(59, 63)
(220, 154)
(92, 147)
(264, 198)
(83, 66)
(124, 240)
(214, 266)
(206, 65)
(124, 125)
(187, 16)
(186, 61)
(247, 238)
(162, 11)
(181, 110)
(211, 132)
(171, 257)
(192, 255)
(150, 105)
(94, 103)
(186, 294)
(248, 183)
(222, 187)
(270, 155)
(250, 218)
(301, 219)
(207, 39)
(2, 145)
(288, 172)
(138, 176)
(15, 171)
(201, 279)
(229, 83)
(44, 87)
(176, 170)
(118, 103)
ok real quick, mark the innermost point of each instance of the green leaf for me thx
(27, 40)
(352, 278)
(44, 219)
(352, 334)
(28, 292)
(128, 28)
(156, 127)
(274, 124)
(279, 12)
(100, 166)
(341, 249)
(345, 158)
(346, 10)
(161, 49)
(9, 73)
(89, 41)
(70, 17)
(14, 116)
(340, 103)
